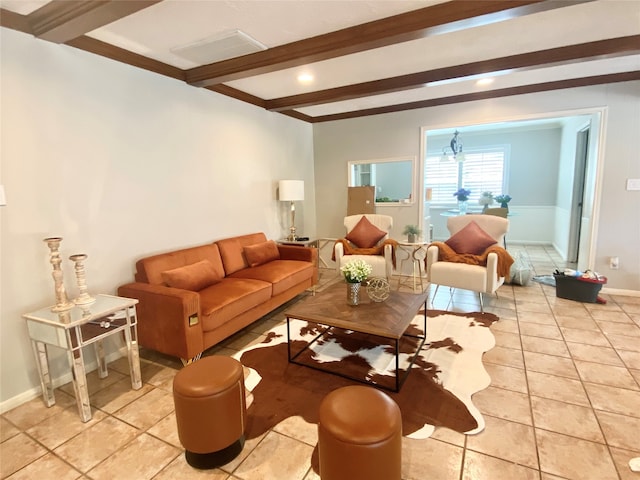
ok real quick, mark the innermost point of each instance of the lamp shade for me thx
(291, 190)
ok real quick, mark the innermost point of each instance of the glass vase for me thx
(462, 207)
(353, 293)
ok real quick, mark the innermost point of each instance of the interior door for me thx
(577, 202)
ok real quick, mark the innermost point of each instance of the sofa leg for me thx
(186, 362)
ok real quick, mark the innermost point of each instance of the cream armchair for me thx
(477, 278)
(382, 264)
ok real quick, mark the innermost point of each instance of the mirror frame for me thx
(409, 158)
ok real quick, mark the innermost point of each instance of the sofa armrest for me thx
(294, 252)
(303, 254)
(168, 319)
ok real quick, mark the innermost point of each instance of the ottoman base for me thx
(206, 461)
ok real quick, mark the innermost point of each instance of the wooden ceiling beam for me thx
(14, 21)
(107, 50)
(542, 58)
(237, 94)
(470, 97)
(60, 21)
(425, 22)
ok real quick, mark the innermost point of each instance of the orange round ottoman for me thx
(210, 404)
(359, 435)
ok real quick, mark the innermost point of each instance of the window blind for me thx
(482, 170)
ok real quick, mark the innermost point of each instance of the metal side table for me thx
(416, 252)
(76, 328)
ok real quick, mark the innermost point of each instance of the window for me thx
(484, 169)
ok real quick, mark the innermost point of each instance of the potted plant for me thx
(485, 200)
(462, 194)
(411, 231)
(355, 272)
(503, 200)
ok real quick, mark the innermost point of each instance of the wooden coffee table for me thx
(389, 320)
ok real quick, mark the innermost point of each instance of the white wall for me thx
(618, 222)
(123, 163)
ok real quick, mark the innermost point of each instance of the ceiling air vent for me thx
(230, 44)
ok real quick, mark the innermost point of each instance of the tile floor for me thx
(564, 403)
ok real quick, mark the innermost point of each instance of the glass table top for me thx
(103, 306)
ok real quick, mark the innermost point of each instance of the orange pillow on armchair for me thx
(471, 239)
(365, 234)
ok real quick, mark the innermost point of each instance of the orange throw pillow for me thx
(194, 277)
(471, 239)
(260, 253)
(365, 234)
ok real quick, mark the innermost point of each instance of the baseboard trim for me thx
(36, 392)
(620, 291)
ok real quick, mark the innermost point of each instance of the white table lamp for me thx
(291, 191)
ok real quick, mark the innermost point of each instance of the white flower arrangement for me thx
(356, 271)
(486, 198)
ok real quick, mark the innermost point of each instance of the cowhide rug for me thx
(437, 392)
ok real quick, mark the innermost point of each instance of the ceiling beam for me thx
(14, 21)
(425, 22)
(237, 94)
(469, 97)
(543, 58)
(107, 50)
(62, 20)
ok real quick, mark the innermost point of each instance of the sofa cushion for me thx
(282, 274)
(365, 234)
(149, 269)
(471, 239)
(229, 298)
(261, 253)
(231, 250)
(192, 277)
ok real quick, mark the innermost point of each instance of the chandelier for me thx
(456, 149)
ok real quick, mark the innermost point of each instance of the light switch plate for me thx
(633, 183)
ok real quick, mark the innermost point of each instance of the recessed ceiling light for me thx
(305, 78)
(483, 82)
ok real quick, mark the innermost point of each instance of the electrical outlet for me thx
(614, 263)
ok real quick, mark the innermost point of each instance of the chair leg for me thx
(481, 303)
(451, 290)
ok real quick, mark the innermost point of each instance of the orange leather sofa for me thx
(193, 298)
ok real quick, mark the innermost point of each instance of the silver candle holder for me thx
(84, 298)
(62, 301)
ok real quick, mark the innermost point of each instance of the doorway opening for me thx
(552, 176)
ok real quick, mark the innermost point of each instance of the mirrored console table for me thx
(76, 328)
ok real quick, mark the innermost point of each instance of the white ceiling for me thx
(157, 30)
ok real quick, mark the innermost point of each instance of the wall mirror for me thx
(392, 177)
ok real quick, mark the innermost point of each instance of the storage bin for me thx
(578, 289)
